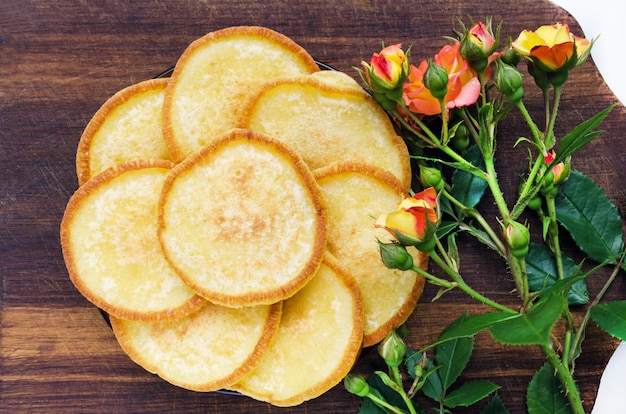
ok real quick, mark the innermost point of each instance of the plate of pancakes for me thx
(224, 219)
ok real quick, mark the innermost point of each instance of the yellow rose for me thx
(552, 48)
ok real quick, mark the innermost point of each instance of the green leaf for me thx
(495, 406)
(591, 218)
(453, 252)
(532, 327)
(581, 135)
(545, 395)
(453, 356)
(487, 129)
(611, 317)
(446, 227)
(466, 187)
(469, 393)
(542, 273)
(472, 325)
(457, 165)
(482, 236)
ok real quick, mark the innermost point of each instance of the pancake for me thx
(205, 351)
(110, 245)
(243, 221)
(127, 127)
(355, 195)
(318, 340)
(327, 123)
(214, 75)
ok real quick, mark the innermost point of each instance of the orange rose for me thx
(385, 75)
(415, 221)
(552, 48)
(463, 83)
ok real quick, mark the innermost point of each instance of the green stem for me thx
(546, 104)
(409, 127)
(431, 137)
(519, 207)
(464, 287)
(444, 127)
(434, 279)
(581, 329)
(555, 109)
(483, 89)
(533, 127)
(553, 233)
(567, 380)
(492, 181)
(396, 377)
(503, 112)
(567, 344)
(518, 270)
(385, 404)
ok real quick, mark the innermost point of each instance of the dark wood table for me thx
(60, 60)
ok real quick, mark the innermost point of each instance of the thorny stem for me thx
(599, 296)
(492, 181)
(566, 378)
(434, 279)
(533, 127)
(553, 233)
(518, 208)
(549, 136)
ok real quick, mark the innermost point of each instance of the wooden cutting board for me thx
(59, 61)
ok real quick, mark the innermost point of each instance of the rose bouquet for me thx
(448, 108)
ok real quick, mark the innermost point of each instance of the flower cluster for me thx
(447, 108)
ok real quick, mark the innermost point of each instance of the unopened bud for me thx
(509, 82)
(392, 349)
(431, 177)
(510, 57)
(395, 256)
(436, 80)
(517, 237)
(356, 384)
(461, 138)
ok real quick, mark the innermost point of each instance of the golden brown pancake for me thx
(328, 123)
(355, 195)
(318, 340)
(243, 221)
(205, 351)
(214, 76)
(111, 249)
(127, 127)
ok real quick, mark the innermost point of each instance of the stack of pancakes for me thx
(225, 220)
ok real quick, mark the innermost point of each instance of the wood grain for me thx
(60, 61)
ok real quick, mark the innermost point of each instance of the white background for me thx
(604, 20)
